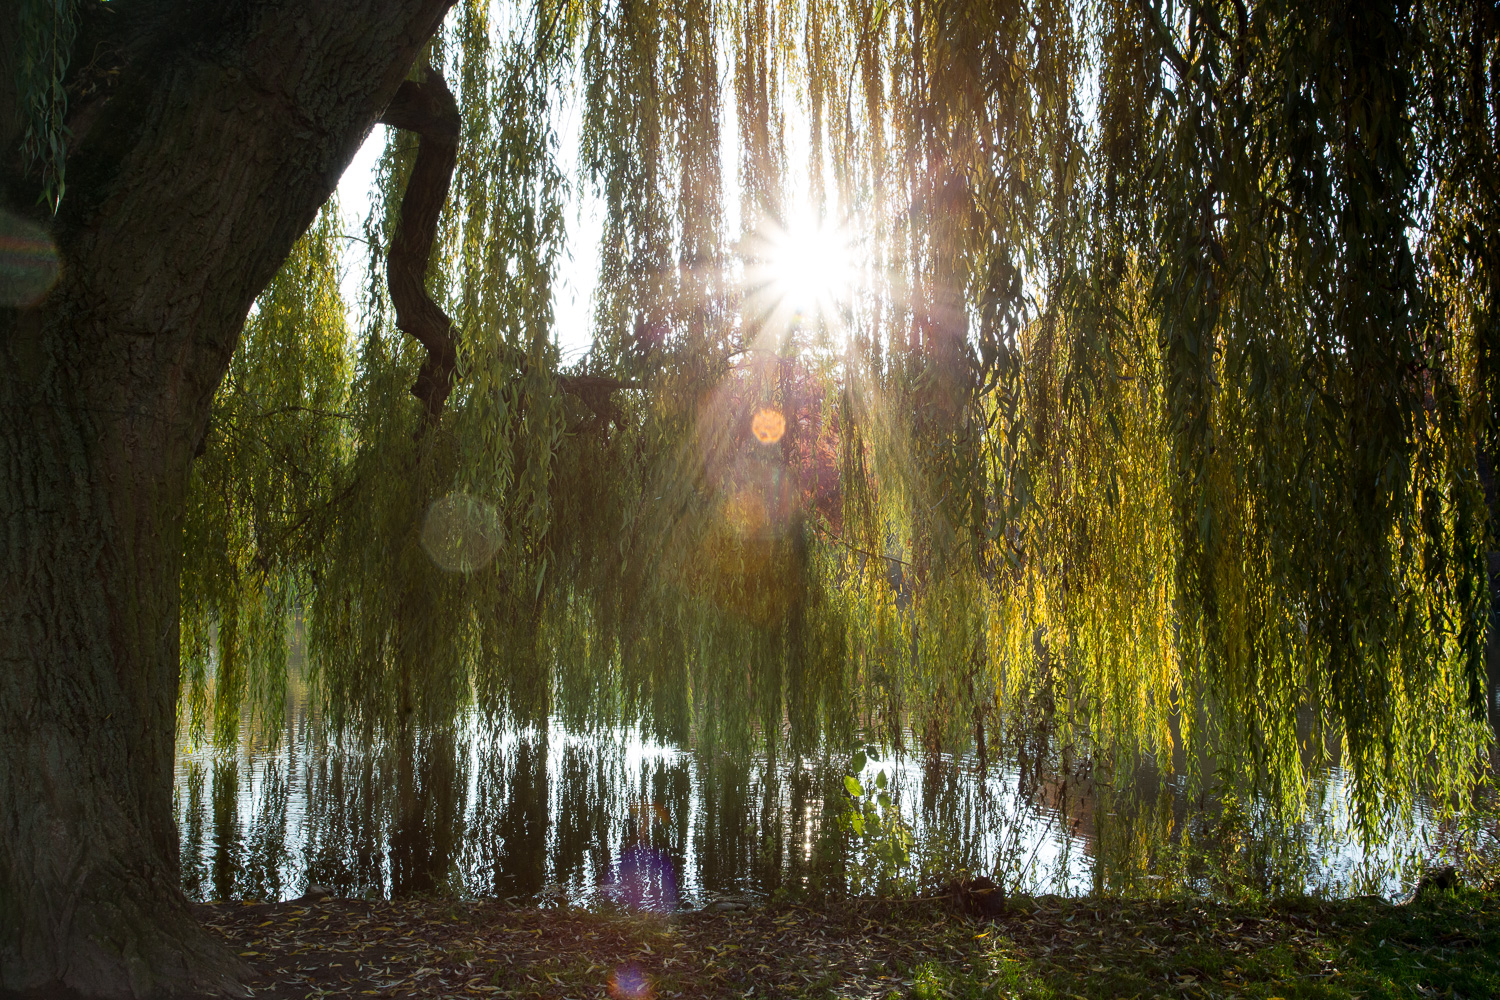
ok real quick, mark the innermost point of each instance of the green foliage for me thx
(1157, 415)
(1442, 946)
(884, 838)
(47, 32)
(270, 480)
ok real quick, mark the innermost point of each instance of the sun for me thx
(807, 269)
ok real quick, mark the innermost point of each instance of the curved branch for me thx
(428, 109)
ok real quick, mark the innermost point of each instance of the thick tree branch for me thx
(597, 393)
(428, 109)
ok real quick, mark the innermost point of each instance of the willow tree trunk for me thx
(197, 158)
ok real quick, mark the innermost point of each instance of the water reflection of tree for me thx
(188, 796)
(511, 816)
(588, 818)
(726, 847)
(588, 780)
(428, 822)
(266, 860)
(955, 818)
(347, 799)
(226, 836)
(655, 837)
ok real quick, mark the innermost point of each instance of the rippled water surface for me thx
(554, 816)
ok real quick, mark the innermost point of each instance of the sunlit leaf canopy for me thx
(1122, 366)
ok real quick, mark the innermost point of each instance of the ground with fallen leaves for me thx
(1445, 944)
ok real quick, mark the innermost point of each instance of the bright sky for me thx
(810, 258)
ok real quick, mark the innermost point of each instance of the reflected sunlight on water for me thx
(611, 818)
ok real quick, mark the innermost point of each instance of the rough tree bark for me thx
(205, 146)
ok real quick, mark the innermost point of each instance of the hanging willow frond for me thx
(1154, 399)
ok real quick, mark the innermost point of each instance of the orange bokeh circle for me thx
(768, 425)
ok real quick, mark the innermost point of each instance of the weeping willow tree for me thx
(1120, 364)
(1150, 393)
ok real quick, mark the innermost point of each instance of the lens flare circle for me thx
(29, 264)
(644, 880)
(629, 983)
(767, 425)
(461, 533)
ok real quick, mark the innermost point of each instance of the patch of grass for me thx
(1442, 944)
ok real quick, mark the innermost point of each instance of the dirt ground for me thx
(1040, 948)
(429, 949)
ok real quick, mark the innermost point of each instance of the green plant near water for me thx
(884, 838)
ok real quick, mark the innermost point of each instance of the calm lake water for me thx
(555, 817)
